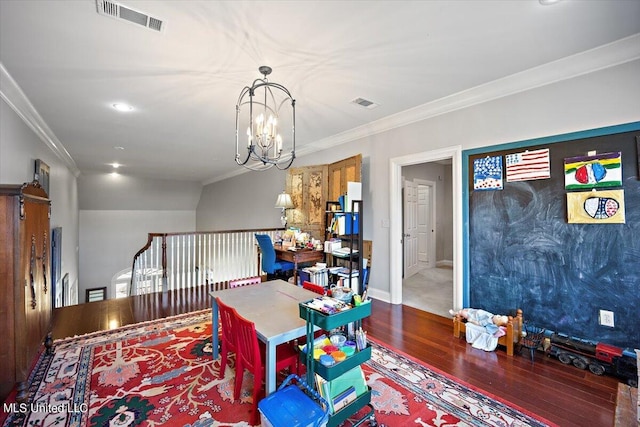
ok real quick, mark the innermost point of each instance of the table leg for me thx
(270, 368)
(214, 327)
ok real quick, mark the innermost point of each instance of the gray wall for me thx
(602, 98)
(19, 148)
(110, 238)
(104, 191)
(116, 214)
(244, 202)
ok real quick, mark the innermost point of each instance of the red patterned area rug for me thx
(161, 373)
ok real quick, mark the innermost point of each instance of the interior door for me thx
(410, 235)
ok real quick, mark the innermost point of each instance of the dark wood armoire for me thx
(25, 287)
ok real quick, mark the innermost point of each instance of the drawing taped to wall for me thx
(487, 173)
(597, 171)
(591, 207)
(528, 165)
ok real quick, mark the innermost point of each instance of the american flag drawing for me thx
(487, 173)
(528, 165)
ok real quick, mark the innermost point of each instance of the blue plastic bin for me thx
(351, 222)
(291, 407)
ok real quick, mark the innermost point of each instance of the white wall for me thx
(19, 148)
(602, 98)
(110, 238)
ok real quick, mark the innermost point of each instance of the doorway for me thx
(454, 155)
(428, 235)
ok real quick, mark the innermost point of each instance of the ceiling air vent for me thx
(365, 103)
(118, 11)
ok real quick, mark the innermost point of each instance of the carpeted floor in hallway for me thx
(430, 290)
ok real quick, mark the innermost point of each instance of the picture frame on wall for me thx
(41, 174)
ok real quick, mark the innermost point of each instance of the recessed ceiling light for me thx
(115, 165)
(122, 107)
(117, 147)
(548, 2)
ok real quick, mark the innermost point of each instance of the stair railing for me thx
(170, 261)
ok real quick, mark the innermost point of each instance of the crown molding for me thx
(235, 172)
(609, 55)
(18, 101)
(592, 60)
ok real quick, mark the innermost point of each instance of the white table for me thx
(273, 307)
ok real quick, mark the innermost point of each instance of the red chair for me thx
(250, 356)
(228, 337)
(313, 287)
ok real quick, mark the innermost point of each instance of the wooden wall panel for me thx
(308, 189)
(311, 187)
(346, 170)
(295, 188)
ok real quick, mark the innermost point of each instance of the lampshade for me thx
(263, 110)
(284, 201)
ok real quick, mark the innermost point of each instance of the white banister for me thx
(171, 261)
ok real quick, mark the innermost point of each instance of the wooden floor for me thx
(562, 394)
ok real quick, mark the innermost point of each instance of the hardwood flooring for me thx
(562, 394)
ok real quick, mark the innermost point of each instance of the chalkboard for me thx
(524, 254)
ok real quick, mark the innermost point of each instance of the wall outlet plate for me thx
(606, 318)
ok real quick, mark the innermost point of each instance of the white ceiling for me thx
(73, 64)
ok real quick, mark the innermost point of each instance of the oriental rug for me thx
(162, 373)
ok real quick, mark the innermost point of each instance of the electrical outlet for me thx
(606, 318)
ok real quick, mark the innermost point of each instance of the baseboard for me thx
(445, 263)
(379, 295)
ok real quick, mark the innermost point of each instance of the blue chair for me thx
(270, 264)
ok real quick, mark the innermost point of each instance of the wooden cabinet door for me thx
(34, 321)
(9, 252)
(308, 189)
(25, 291)
(346, 170)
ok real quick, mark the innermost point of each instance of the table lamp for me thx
(284, 202)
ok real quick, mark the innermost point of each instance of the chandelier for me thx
(261, 112)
